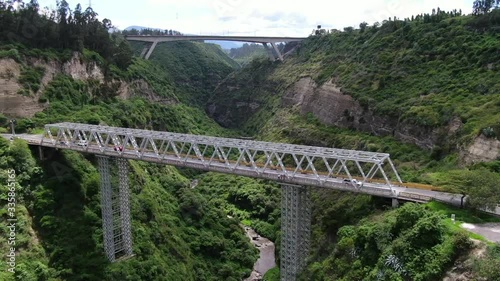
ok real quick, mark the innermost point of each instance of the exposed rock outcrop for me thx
(12, 103)
(140, 88)
(483, 149)
(332, 107)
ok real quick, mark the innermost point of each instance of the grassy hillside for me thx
(423, 72)
(177, 231)
(183, 233)
(247, 52)
(196, 68)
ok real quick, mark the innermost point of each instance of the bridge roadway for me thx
(251, 39)
(308, 179)
(274, 53)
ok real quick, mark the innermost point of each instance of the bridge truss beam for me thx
(115, 208)
(295, 230)
(287, 163)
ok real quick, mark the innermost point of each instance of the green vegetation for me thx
(253, 202)
(418, 71)
(247, 52)
(197, 68)
(272, 275)
(488, 267)
(31, 78)
(461, 215)
(177, 232)
(408, 243)
(398, 70)
(424, 71)
(62, 29)
(480, 184)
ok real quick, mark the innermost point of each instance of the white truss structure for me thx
(287, 163)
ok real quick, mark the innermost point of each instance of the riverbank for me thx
(266, 259)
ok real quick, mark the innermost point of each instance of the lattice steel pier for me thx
(295, 230)
(115, 206)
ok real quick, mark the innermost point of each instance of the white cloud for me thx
(262, 17)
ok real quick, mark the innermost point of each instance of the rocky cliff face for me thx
(332, 107)
(483, 149)
(14, 104)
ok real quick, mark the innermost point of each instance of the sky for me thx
(257, 17)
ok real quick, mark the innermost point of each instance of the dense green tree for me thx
(480, 185)
(362, 26)
(484, 6)
(61, 29)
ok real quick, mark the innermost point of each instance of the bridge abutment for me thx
(295, 230)
(115, 208)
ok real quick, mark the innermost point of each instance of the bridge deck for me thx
(287, 163)
(253, 39)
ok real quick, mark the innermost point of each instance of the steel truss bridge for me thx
(295, 167)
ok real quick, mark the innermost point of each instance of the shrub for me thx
(31, 77)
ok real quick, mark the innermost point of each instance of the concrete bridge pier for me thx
(143, 53)
(278, 53)
(151, 49)
(295, 230)
(274, 53)
(115, 208)
(395, 202)
(269, 52)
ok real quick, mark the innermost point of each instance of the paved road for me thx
(490, 231)
(255, 39)
(35, 139)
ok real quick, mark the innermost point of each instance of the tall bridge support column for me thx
(295, 230)
(124, 194)
(115, 208)
(151, 50)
